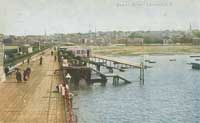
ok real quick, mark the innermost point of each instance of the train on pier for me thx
(76, 51)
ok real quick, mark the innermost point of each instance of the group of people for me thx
(25, 76)
(26, 73)
(63, 89)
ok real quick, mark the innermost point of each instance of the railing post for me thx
(142, 73)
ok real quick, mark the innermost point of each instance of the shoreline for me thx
(145, 50)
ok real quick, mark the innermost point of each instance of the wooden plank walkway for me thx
(33, 101)
(136, 65)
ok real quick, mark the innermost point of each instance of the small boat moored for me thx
(172, 59)
(195, 65)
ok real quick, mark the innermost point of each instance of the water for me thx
(171, 94)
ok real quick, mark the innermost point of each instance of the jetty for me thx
(113, 63)
(80, 64)
(104, 77)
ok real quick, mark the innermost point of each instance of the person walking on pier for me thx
(28, 71)
(28, 60)
(25, 75)
(6, 70)
(55, 58)
(18, 76)
(41, 60)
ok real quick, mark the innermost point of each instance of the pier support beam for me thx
(142, 74)
(104, 80)
(110, 69)
(98, 67)
(115, 80)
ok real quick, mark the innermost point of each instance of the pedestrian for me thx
(71, 98)
(25, 75)
(60, 88)
(28, 60)
(63, 90)
(51, 53)
(41, 60)
(28, 70)
(6, 70)
(55, 58)
(18, 76)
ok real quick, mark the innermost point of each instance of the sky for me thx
(35, 17)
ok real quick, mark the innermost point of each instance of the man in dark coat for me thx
(55, 58)
(28, 70)
(41, 60)
(25, 75)
(52, 53)
(28, 60)
(6, 70)
(18, 76)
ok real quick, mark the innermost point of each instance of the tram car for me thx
(77, 51)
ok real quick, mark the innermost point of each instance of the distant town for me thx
(191, 36)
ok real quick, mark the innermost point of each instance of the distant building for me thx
(135, 41)
(77, 51)
(26, 49)
(196, 41)
(13, 49)
(167, 40)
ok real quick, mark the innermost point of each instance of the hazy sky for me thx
(65, 16)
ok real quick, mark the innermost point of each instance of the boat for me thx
(197, 59)
(172, 59)
(147, 60)
(195, 65)
(152, 61)
(121, 70)
(195, 56)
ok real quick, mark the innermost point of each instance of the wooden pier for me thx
(121, 65)
(33, 101)
(111, 62)
(75, 58)
(103, 80)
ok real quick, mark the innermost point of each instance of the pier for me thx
(111, 63)
(33, 101)
(82, 58)
(103, 80)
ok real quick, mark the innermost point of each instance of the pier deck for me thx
(135, 65)
(115, 77)
(33, 101)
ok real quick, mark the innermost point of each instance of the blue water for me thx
(171, 94)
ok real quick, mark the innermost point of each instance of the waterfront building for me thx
(135, 41)
(196, 41)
